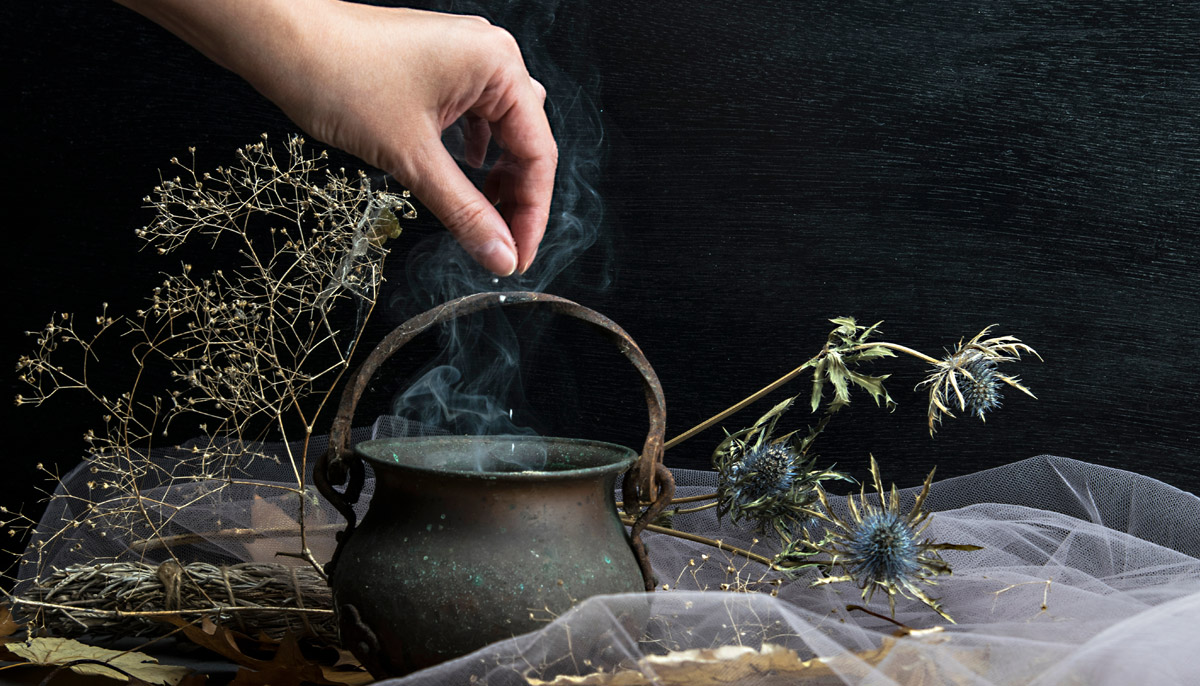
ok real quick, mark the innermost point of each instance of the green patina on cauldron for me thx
(474, 539)
(461, 547)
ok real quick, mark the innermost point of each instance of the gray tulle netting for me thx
(1089, 575)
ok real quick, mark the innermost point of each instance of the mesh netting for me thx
(1088, 575)
(173, 537)
(248, 515)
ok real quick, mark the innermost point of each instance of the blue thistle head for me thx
(876, 547)
(773, 484)
(968, 380)
(883, 546)
(766, 472)
(980, 385)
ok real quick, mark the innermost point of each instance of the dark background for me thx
(760, 167)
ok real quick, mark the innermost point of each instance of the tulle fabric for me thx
(1089, 575)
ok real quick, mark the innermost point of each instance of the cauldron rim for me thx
(617, 458)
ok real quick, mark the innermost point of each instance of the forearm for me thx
(261, 40)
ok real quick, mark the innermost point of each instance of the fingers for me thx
(466, 213)
(485, 82)
(523, 179)
(521, 190)
(477, 133)
(539, 89)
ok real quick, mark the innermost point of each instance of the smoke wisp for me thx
(475, 384)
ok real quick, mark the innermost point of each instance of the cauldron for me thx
(464, 543)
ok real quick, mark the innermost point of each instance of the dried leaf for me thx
(288, 668)
(8, 625)
(347, 659)
(874, 386)
(82, 659)
(346, 677)
(838, 376)
(869, 354)
(8, 630)
(217, 639)
(771, 665)
(347, 670)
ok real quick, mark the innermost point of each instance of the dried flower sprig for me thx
(774, 482)
(970, 375)
(251, 350)
(848, 346)
(877, 548)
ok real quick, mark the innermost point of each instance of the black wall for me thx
(766, 166)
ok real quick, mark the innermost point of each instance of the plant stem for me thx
(154, 543)
(693, 498)
(895, 346)
(774, 385)
(739, 406)
(695, 509)
(215, 608)
(680, 501)
(754, 557)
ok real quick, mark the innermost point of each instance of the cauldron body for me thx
(469, 540)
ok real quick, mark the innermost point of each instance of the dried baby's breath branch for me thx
(247, 352)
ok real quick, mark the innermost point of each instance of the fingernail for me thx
(498, 258)
(529, 262)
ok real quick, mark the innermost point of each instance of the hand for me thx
(382, 84)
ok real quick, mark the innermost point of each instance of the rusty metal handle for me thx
(647, 483)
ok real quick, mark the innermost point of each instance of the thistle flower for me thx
(772, 484)
(877, 548)
(769, 480)
(970, 375)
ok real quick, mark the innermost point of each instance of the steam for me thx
(474, 387)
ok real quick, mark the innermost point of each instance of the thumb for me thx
(437, 181)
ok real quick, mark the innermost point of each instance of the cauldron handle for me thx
(647, 483)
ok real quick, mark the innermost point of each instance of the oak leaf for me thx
(289, 667)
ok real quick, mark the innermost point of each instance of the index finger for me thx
(522, 181)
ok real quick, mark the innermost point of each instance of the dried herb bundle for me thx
(130, 598)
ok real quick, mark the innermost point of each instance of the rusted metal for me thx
(647, 484)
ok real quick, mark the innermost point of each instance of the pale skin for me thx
(382, 84)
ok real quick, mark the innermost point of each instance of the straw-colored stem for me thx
(680, 501)
(754, 557)
(741, 405)
(777, 383)
(219, 609)
(689, 510)
(225, 534)
(899, 348)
